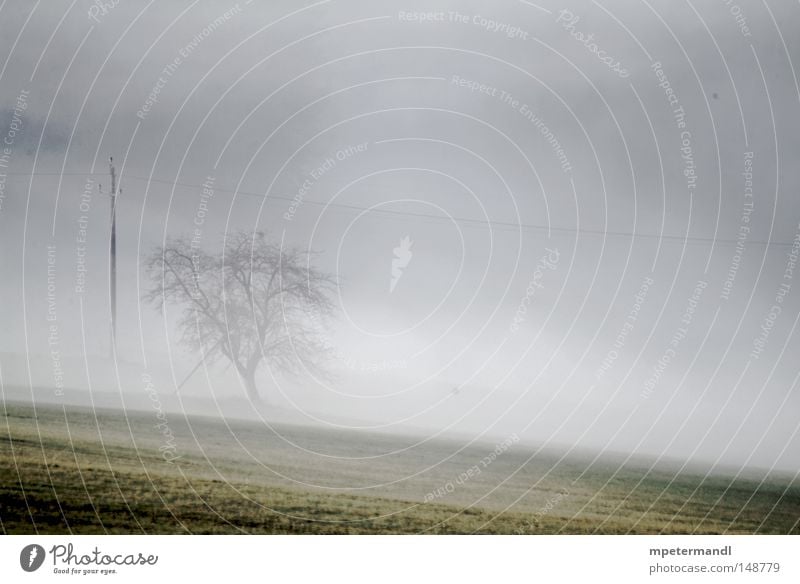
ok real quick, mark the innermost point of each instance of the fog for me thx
(600, 233)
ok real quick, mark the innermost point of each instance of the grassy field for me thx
(71, 470)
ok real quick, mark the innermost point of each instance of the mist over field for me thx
(573, 225)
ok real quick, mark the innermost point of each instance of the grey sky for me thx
(261, 100)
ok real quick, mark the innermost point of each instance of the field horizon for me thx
(69, 469)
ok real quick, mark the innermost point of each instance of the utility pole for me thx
(113, 258)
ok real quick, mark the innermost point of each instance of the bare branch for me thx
(254, 303)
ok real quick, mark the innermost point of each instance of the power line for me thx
(56, 173)
(466, 220)
(484, 223)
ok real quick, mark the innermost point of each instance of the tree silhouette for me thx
(253, 303)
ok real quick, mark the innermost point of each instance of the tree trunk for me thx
(248, 373)
(249, 378)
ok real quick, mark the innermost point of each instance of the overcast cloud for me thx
(574, 275)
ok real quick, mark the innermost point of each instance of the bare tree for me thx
(255, 303)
